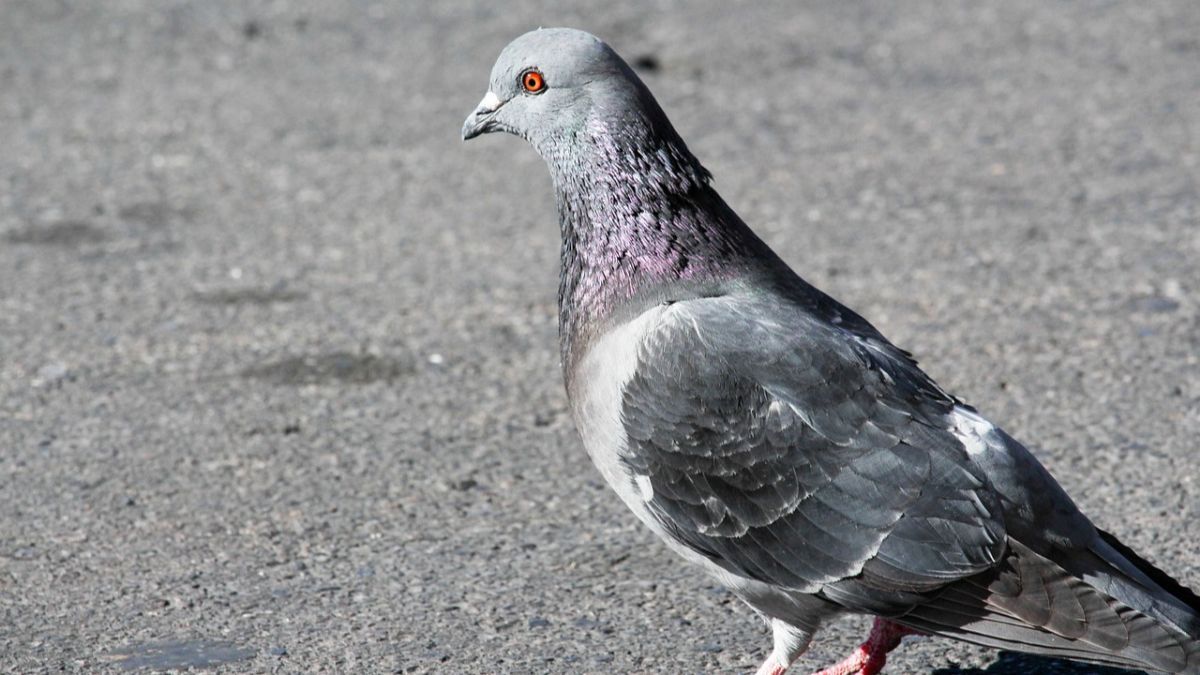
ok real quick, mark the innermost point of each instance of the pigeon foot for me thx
(871, 656)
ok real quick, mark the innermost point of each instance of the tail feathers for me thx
(1031, 603)
(1168, 600)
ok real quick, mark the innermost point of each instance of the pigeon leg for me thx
(869, 658)
(790, 643)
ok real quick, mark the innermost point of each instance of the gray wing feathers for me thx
(791, 455)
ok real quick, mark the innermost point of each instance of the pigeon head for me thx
(637, 212)
(574, 99)
(547, 83)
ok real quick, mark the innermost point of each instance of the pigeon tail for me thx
(1085, 607)
(1141, 585)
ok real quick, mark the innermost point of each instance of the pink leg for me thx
(870, 657)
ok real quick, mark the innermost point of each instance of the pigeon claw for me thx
(871, 656)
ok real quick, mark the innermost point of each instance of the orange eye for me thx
(533, 81)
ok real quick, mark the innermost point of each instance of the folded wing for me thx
(802, 454)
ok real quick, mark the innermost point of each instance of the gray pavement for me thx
(279, 387)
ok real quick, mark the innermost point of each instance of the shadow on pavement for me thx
(1013, 663)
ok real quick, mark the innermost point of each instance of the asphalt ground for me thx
(279, 388)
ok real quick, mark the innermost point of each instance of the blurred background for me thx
(279, 387)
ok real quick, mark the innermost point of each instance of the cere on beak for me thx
(481, 121)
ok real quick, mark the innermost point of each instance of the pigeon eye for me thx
(532, 81)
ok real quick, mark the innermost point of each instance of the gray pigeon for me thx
(774, 437)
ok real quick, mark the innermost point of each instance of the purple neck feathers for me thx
(638, 216)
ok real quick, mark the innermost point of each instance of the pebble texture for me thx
(279, 387)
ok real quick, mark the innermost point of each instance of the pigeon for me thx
(774, 437)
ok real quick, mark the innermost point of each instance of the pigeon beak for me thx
(482, 121)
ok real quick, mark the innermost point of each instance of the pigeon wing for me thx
(802, 454)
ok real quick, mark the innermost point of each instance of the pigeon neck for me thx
(639, 222)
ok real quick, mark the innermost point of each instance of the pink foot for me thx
(869, 658)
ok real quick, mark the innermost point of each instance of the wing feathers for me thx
(790, 455)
